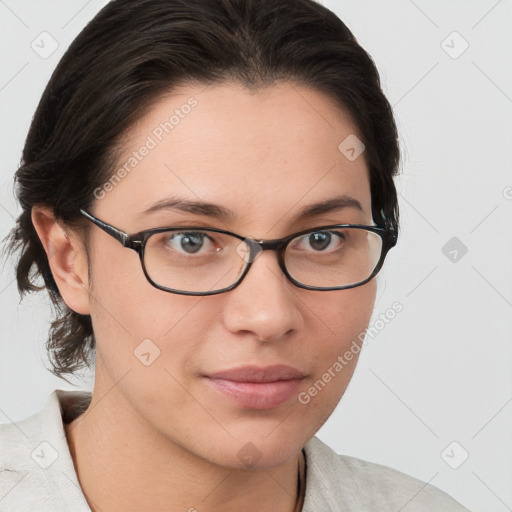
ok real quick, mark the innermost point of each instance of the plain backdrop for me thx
(432, 395)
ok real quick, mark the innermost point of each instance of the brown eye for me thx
(319, 241)
(190, 242)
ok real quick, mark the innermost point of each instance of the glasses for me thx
(193, 260)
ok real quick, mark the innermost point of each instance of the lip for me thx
(257, 374)
(253, 387)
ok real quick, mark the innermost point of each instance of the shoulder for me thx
(342, 482)
(20, 439)
(36, 469)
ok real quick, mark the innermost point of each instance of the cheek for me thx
(341, 316)
(130, 315)
(341, 320)
(148, 343)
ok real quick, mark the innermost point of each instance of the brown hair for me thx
(131, 53)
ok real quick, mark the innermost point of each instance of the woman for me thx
(207, 193)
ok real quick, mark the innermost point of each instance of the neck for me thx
(125, 465)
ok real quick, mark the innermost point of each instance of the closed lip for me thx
(258, 374)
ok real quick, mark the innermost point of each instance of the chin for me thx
(257, 452)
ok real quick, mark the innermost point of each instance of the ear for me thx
(67, 258)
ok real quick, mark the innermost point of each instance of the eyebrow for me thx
(221, 213)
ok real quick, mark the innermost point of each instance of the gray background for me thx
(439, 372)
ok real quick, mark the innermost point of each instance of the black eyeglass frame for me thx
(137, 242)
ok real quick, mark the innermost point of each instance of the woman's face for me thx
(264, 157)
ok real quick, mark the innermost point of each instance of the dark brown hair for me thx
(134, 51)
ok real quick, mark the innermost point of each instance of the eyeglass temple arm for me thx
(119, 235)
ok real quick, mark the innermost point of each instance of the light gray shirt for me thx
(37, 472)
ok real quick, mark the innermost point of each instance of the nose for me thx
(265, 303)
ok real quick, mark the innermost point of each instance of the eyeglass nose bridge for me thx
(256, 247)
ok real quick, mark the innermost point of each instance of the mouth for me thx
(258, 388)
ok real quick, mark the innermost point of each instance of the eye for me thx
(190, 242)
(320, 241)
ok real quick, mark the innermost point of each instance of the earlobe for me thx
(67, 259)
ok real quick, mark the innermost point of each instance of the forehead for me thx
(261, 154)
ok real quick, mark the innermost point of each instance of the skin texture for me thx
(159, 437)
